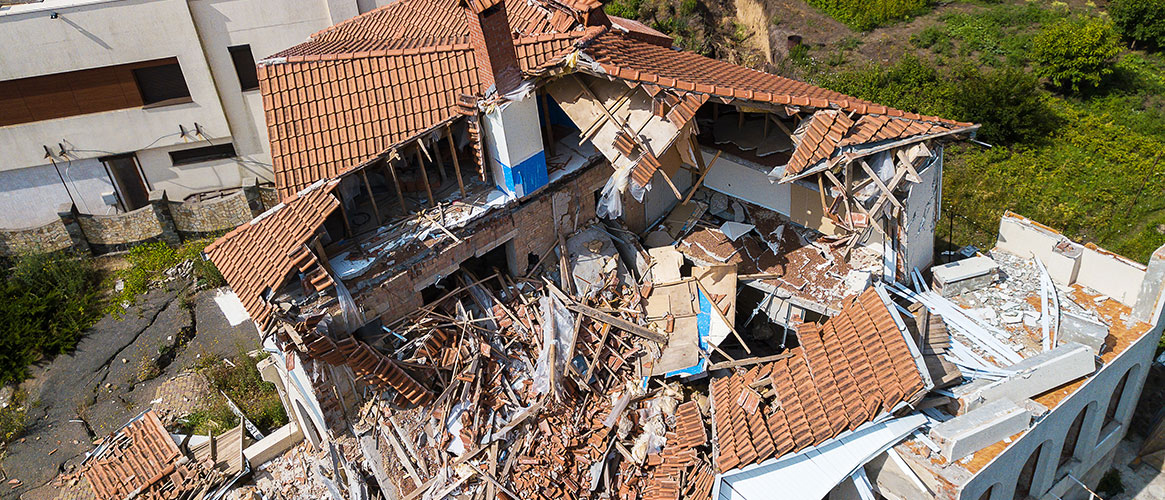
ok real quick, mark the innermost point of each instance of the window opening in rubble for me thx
(755, 323)
(493, 261)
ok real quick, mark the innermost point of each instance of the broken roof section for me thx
(359, 88)
(140, 460)
(256, 257)
(847, 371)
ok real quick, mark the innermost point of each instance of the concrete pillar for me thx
(1149, 300)
(250, 189)
(514, 144)
(68, 214)
(161, 207)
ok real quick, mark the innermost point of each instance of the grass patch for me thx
(14, 418)
(149, 261)
(865, 15)
(241, 381)
(46, 302)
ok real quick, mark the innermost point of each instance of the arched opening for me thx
(1073, 437)
(1023, 485)
(1115, 401)
(987, 493)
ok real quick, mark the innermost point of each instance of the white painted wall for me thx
(923, 203)
(31, 196)
(748, 183)
(96, 33)
(104, 34)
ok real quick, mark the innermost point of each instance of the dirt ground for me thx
(83, 396)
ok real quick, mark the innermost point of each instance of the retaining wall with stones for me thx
(198, 219)
(49, 237)
(160, 220)
(118, 232)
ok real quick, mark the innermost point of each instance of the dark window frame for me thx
(244, 61)
(159, 84)
(203, 154)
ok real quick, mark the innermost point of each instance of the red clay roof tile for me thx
(826, 387)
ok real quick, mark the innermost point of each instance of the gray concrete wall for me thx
(1096, 443)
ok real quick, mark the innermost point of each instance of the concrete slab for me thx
(1030, 377)
(1079, 329)
(988, 424)
(964, 275)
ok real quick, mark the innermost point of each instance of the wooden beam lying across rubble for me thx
(601, 316)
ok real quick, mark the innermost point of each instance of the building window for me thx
(245, 66)
(94, 90)
(1115, 401)
(131, 188)
(1023, 485)
(161, 83)
(987, 493)
(1072, 438)
(205, 153)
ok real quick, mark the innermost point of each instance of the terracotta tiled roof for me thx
(883, 128)
(142, 461)
(326, 116)
(259, 255)
(631, 59)
(358, 88)
(641, 31)
(822, 137)
(368, 364)
(844, 374)
(829, 131)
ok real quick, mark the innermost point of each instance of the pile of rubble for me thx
(526, 387)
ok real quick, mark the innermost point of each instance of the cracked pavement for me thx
(82, 396)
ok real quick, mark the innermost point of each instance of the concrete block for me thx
(1074, 328)
(1030, 377)
(964, 275)
(273, 444)
(989, 424)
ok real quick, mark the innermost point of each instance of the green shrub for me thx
(1140, 21)
(1110, 483)
(865, 15)
(1076, 53)
(1006, 102)
(46, 302)
(14, 417)
(623, 8)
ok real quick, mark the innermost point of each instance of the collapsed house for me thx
(532, 249)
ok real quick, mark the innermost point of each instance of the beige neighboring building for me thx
(103, 101)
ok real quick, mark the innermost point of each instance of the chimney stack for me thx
(493, 44)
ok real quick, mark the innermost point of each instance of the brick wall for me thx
(197, 219)
(529, 229)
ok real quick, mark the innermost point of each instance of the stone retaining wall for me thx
(160, 220)
(197, 219)
(49, 237)
(118, 232)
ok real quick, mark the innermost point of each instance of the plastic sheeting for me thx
(557, 331)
